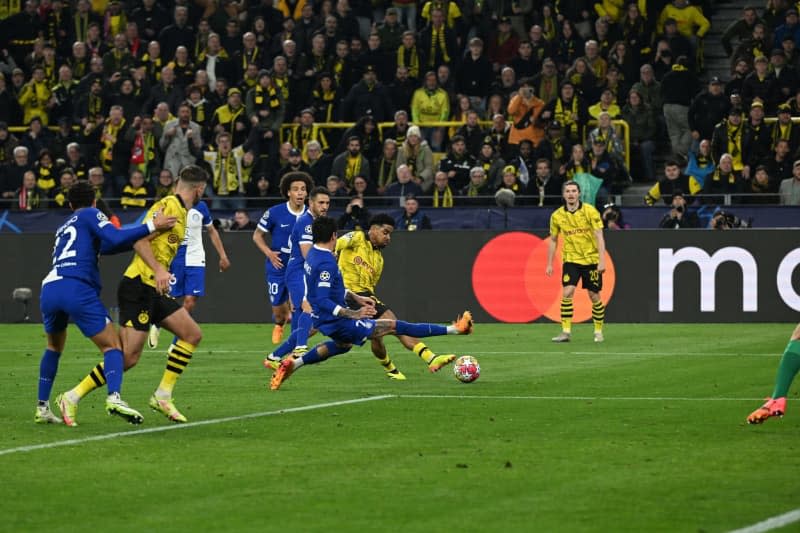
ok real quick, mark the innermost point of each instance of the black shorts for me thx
(591, 279)
(140, 305)
(380, 307)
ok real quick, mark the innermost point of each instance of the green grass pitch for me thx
(645, 432)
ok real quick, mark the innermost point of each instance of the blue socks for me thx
(113, 367)
(48, 368)
(303, 328)
(312, 356)
(419, 330)
(287, 346)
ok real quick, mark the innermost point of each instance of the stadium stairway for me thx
(716, 63)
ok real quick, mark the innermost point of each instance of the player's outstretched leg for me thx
(462, 326)
(317, 354)
(273, 360)
(787, 370)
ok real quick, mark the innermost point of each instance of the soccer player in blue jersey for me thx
(188, 269)
(300, 243)
(71, 290)
(345, 326)
(279, 222)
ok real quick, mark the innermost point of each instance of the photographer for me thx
(679, 216)
(612, 218)
(355, 216)
(727, 220)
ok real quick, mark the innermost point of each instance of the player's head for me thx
(319, 201)
(380, 230)
(571, 192)
(295, 186)
(80, 195)
(192, 180)
(323, 230)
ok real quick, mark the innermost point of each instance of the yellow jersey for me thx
(360, 262)
(578, 227)
(165, 245)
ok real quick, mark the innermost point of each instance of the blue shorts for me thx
(187, 280)
(70, 298)
(276, 284)
(296, 283)
(348, 330)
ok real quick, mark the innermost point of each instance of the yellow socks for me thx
(424, 353)
(598, 315)
(95, 379)
(566, 315)
(179, 354)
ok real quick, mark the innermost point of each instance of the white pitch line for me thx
(577, 398)
(771, 523)
(109, 436)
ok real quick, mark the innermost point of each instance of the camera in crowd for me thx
(727, 220)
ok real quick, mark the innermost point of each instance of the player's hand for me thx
(306, 307)
(163, 222)
(162, 280)
(601, 265)
(365, 312)
(364, 300)
(548, 271)
(275, 259)
(224, 263)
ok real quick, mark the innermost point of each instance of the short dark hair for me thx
(323, 229)
(571, 182)
(316, 191)
(381, 219)
(193, 174)
(82, 194)
(291, 177)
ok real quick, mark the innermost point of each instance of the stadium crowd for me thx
(124, 94)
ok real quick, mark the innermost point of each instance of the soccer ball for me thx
(467, 369)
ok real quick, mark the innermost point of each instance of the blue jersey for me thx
(81, 238)
(279, 221)
(301, 234)
(326, 289)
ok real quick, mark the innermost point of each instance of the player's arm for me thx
(114, 241)
(216, 240)
(361, 300)
(601, 250)
(160, 273)
(258, 239)
(344, 242)
(552, 244)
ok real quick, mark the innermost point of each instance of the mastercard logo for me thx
(509, 281)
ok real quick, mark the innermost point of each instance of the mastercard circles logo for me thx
(509, 281)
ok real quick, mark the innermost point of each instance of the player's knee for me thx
(189, 304)
(193, 336)
(131, 359)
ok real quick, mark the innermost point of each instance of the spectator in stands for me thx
(13, 173)
(786, 77)
(366, 129)
(417, 155)
(164, 185)
(242, 222)
(34, 98)
(319, 163)
(478, 186)
(231, 117)
(36, 138)
(582, 77)
(728, 138)
(7, 144)
(412, 219)
(472, 133)
(789, 189)
(607, 105)
(294, 163)
(680, 214)
(351, 163)
(677, 90)
(58, 196)
(177, 34)
(779, 166)
(760, 85)
(181, 141)
(386, 166)
(136, 192)
(606, 133)
(474, 74)
(457, 163)
(230, 168)
(355, 216)
(442, 193)
(438, 42)
(430, 103)
(689, 20)
(674, 180)
(45, 171)
(403, 187)
(708, 109)
(569, 110)
(545, 187)
(700, 164)
(785, 130)
(756, 139)
(546, 83)
(741, 29)
(642, 134)
(762, 189)
(367, 97)
(524, 63)
(399, 130)
(492, 163)
(724, 181)
(29, 196)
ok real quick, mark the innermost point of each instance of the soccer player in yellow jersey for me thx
(583, 255)
(143, 297)
(361, 263)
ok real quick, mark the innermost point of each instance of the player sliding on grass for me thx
(361, 264)
(787, 370)
(72, 290)
(345, 326)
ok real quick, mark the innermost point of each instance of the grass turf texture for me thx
(645, 432)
